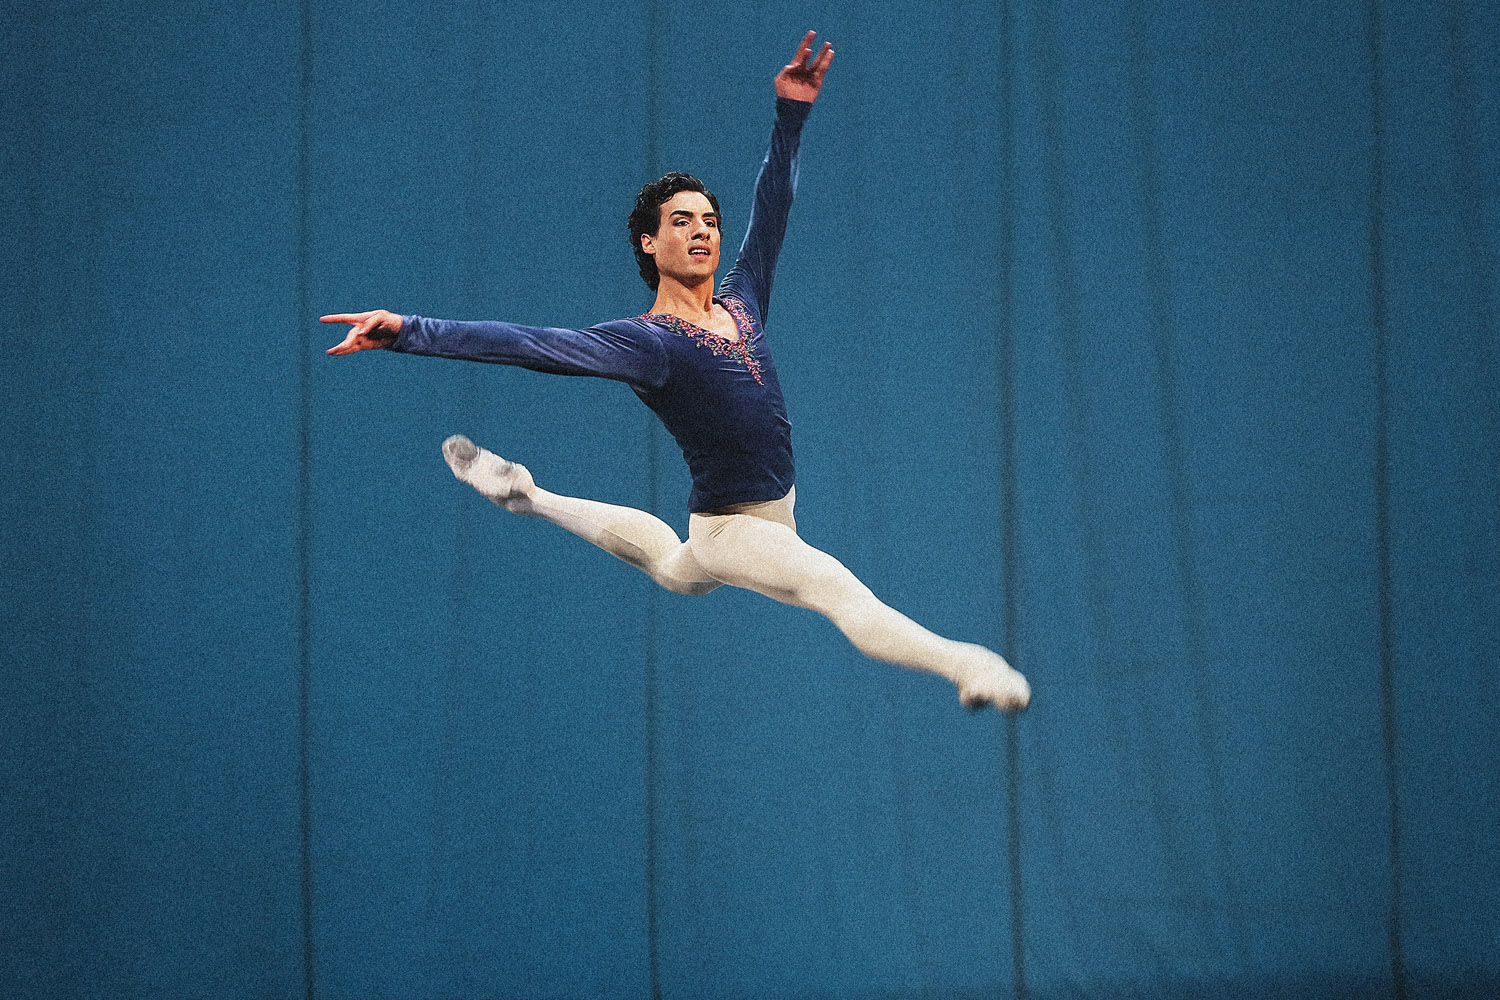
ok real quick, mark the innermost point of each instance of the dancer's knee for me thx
(830, 589)
(679, 572)
(668, 571)
(691, 588)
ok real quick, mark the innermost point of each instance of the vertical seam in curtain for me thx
(304, 488)
(1009, 555)
(649, 638)
(1382, 488)
(1054, 199)
(1098, 623)
(1184, 554)
(461, 565)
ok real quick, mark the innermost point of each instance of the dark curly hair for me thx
(645, 218)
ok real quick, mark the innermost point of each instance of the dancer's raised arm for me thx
(754, 271)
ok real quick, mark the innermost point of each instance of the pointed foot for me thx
(459, 452)
(506, 483)
(992, 681)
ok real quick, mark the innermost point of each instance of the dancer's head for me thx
(674, 229)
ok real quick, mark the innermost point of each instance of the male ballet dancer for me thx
(700, 361)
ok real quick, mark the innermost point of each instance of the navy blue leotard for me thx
(719, 399)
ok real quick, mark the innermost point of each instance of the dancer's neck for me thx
(694, 303)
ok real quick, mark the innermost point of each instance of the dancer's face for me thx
(686, 244)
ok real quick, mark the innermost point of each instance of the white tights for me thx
(754, 546)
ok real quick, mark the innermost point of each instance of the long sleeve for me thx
(755, 269)
(623, 350)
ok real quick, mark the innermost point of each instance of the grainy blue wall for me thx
(1152, 343)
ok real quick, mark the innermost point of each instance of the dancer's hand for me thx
(370, 330)
(800, 80)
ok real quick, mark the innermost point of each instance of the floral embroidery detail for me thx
(739, 349)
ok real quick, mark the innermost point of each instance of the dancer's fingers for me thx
(799, 60)
(345, 346)
(345, 317)
(821, 64)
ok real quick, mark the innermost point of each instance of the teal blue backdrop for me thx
(1153, 343)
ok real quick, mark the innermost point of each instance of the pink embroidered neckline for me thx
(722, 347)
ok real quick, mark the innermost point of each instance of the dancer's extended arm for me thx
(797, 87)
(623, 350)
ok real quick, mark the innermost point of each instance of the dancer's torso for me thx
(722, 403)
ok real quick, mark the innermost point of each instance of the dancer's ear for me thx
(648, 244)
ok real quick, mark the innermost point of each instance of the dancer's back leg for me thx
(768, 557)
(638, 538)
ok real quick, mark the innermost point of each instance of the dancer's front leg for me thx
(644, 541)
(769, 558)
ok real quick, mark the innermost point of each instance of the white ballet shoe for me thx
(989, 680)
(506, 483)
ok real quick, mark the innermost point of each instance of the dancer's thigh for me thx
(767, 557)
